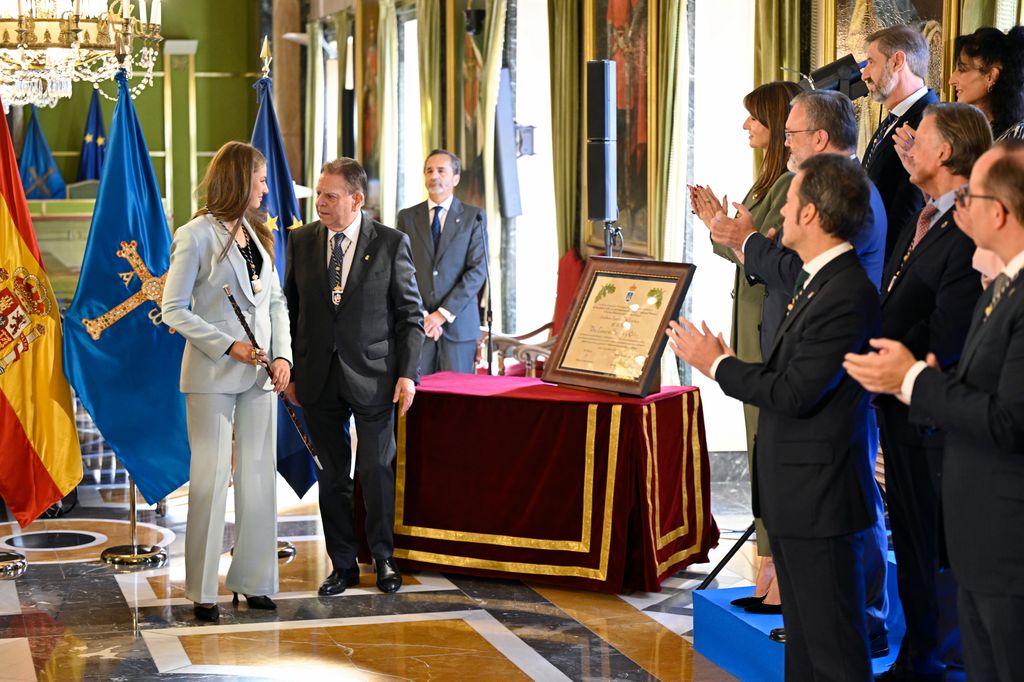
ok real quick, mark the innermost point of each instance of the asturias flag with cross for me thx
(119, 355)
(39, 174)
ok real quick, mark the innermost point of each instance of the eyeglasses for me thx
(963, 197)
(790, 133)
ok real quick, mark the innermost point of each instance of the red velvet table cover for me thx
(512, 477)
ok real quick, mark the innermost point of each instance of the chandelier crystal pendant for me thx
(46, 45)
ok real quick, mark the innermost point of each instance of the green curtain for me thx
(314, 125)
(387, 87)
(564, 36)
(1001, 13)
(428, 32)
(669, 59)
(494, 44)
(776, 40)
(344, 23)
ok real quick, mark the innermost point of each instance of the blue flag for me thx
(293, 460)
(120, 357)
(39, 174)
(94, 142)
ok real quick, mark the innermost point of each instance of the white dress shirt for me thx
(445, 207)
(907, 389)
(812, 268)
(352, 234)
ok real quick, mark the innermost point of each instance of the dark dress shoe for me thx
(778, 635)
(256, 602)
(388, 577)
(210, 614)
(762, 608)
(744, 602)
(879, 645)
(895, 674)
(338, 581)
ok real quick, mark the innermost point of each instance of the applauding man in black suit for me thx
(979, 406)
(357, 329)
(813, 478)
(447, 239)
(897, 65)
(929, 292)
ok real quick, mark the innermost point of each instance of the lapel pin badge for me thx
(366, 257)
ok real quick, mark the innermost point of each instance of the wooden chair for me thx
(528, 350)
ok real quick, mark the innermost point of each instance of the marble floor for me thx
(73, 617)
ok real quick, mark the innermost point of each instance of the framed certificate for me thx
(615, 332)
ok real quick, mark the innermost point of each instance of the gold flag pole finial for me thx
(265, 56)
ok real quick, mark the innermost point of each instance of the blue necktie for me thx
(435, 226)
(336, 266)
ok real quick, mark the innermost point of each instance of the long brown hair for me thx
(226, 189)
(769, 105)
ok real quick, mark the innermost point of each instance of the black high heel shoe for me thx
(258, 602)
(744, 602)
(210, 614)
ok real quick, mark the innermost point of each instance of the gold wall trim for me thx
(74, 154)
(168, 138)
(950, 30)
(193, 161)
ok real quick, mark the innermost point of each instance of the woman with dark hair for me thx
(989, 74)
(767, 108)
(228, 390)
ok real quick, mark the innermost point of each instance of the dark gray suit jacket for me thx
(378, 328)
(451, 277)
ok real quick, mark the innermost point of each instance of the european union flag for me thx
(120, 357)
(39, 174)
(94, 142)
(293, 460)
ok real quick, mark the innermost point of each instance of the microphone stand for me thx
(488, 312)
(612, 237)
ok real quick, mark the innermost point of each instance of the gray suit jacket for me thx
(452, 277)
(195, 306)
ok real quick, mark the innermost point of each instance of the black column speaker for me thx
(602, 173)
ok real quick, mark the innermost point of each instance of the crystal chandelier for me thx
(46, 45)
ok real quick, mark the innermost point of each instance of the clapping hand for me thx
(705, 204)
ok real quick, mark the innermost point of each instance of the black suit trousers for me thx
(826, 631)
(993, 629)
(328, 420)
(913, 473)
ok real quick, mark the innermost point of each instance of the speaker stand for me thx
(612, 238)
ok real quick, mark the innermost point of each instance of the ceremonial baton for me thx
(266, 365)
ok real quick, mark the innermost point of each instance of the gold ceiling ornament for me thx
(46, 45)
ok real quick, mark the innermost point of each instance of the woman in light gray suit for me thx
(228, 392)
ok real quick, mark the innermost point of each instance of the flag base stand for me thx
(134, 555)
(285, 551)
(12, 565)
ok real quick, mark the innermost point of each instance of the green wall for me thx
(228, 35)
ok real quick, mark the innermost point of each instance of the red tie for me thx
(924, 221)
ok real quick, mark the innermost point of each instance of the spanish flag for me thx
(40, 460)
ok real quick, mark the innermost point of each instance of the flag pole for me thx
(285, 550)
(134, 555)
(12, 565)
